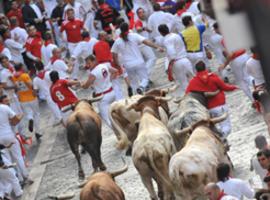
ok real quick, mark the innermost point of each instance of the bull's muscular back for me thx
(85, 111)
(101, 187)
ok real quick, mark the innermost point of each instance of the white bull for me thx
(195, 165)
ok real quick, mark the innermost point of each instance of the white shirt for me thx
(78, 10)
(129, 50)
(42, 85)
(60, 66)
(5, 76)
(37, 11)
(158, 18)
(254, 69)
(84, 48)
(19, 33)
(227, 197)
(15, 49)
(46, 53)
(237, 188)
(217, 47)
(175, 46)
(194, 8)
(102, 82)
(258, 169)
(7, 53)
(6, 114)
(145, 4)
(144, 33)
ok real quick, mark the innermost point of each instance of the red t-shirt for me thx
(103, 52)
(18, 14)
(61, 94)
(33, 45)
(73, 30)
(210, 82)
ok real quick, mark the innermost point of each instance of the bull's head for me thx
(161, 92)
(186, 132)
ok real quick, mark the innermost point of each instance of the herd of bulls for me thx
(178, 150)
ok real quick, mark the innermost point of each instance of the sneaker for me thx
(31, 125)
(140, 90)
(38, 136)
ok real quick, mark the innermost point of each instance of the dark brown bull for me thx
(101, 186)
(84, 128)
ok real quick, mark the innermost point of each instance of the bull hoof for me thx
(81, 175)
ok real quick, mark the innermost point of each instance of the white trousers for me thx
(15, 154)
(104, 106)
(8, 180)
(138, 76)
(196, 57)
(75, 72)
(117, 87)
(238, 66)
(149, 57)
(224, 126)
(31, 111)
(182, 70)
(54, 108)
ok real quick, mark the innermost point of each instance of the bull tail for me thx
(123, 141)
(164, 180)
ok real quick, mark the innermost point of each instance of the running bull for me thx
(153, 148)
(84, 128)
(125, 122)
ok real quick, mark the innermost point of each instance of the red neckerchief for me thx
(255, 56)
(1, 48)
(41, 74)
(188, 5)
(47, 42)
(53, 59)
(181, 11)
(11, 69)
(87, 39)
(17, 74)
(131, 19)
(237, 53)
(221, 194)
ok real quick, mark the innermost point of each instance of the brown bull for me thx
(84, 128)
(125, 122)
(153, 148)
(101, 186)
(194, 166)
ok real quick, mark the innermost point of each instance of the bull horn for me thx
(183, 131)
(170, 89)
(168, 98)
(120, 171)
(95, 99)
(216, 120)
(130, 107)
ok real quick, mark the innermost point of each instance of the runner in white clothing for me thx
(145, 4)
(232, 186)
(84, 48)
(17, 33)
(9, 90)
(127, 45)
(100, 79)
(159, 17)
(59, 65)
(16, 49)
(79, 10)
(7, 118)
(180, 68)
(213, 192)
(40, 85)
(8, 180)
(147, 52)
(47, 48)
